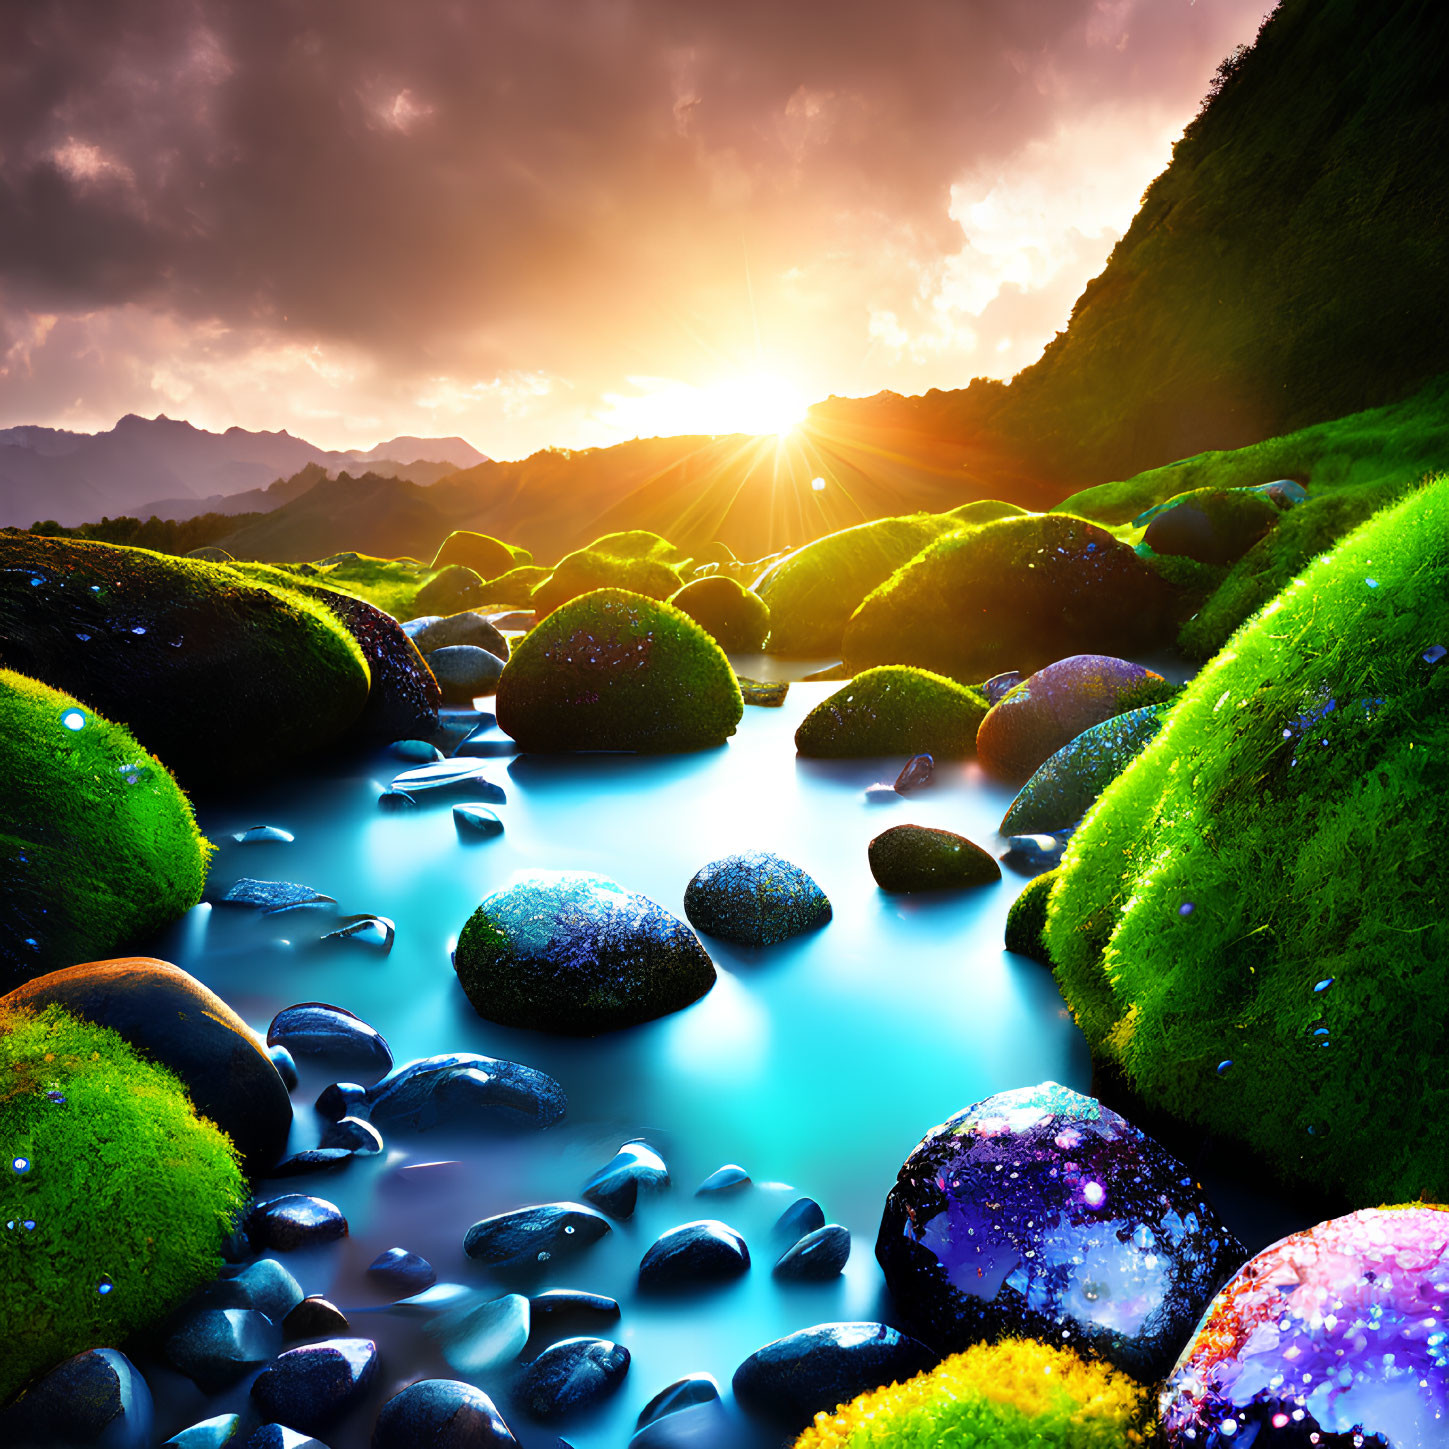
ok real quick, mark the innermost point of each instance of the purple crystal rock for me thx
(1333, 1336)
(1040, 1213)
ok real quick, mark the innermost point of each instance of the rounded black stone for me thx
(465, 1089)
(729, 1178)
(352, 1134)
(214, 1347)
(707, 1251)
(324, 1033)
(572, 1374)
(440, 1414)
(315, 1317)
(336, 1101)
(402, 1272)
(311, 1387)
(97, 1398)
(532, 1236)
(615, 1187)
(818, 1256)
(264, 1285)
(803, 1216)
(565, 1303)
(294, 1221)
(681, 1394)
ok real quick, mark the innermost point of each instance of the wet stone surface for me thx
(754, 899)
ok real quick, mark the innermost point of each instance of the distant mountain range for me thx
(166, 466)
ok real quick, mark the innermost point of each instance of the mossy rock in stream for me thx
(1026, 920)
(1210, 525)
(922, 858)
(894, 710)
(119, 1196)
(1014, 594)
(586, 571)
(616, 671)
(221, 678)
(736, 617)
(482, 553)
(1252, 923)
(516, 586)
(98, 846)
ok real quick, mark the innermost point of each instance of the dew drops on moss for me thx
(73, 719)
(105, 1287)
(1223, 1067)
(20, 1164)
(1186, 908)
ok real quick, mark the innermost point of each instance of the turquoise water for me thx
(817, 1064)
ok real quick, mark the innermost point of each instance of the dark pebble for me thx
(1000, 685)
(264, 835)
(531, 1236)
(313, 1386)
(402, 1272)
(279, 1436)
(803, 1216)
(314, 1159)
(211, 1433)
(353, 1135)
(285, 1065)
(681, 1394)
(615, 1186)
(440, 1414)
(330, 1034)
(214, 1347)
(1032, 854)
(294, 1221)
(702, 1252)
(315, 1317)
(729, 1178)
(817, 1256)
(476, 821)
(264, 1285)
(795, 1377)
(337, 1101)
(95, 1400)
(566, 1303)
(465, 1089)
(396, 800)
(699, 1426)
(572, 1374)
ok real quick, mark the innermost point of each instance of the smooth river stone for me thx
(572, 1374)
(803, 1216)
(279, 1436)
(1040, 1213)
(213, 1433)
(294, 1220)
(817, 1257)
(320, 1032)
(615, 1186)
(531, 1236)
(795, 1377)
(1067, 785)
(916, 773)
(311, 1387)
(463, 1088)
(729, 1178)
(214, 1347)
(401, 1271)
(264, 1285)
(450, 775)
(95, 1400)
(272, 896)
(571, 1303)
(1335, 1335)
(352, 1134)
(476, 1331)
(707, 1251)
(476, 821)
(440, 1414)
(754, 898)
(315, 1317)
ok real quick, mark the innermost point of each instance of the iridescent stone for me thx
(320, 1032)
(1332, 1336)
(755, 898)
(1040, 1213)
(461, 1089)
(1065, 787)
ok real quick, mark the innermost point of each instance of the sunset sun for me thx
(758, 403)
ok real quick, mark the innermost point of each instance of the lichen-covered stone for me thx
(589, 569)
(616, 671)
(1041, 1213)
(98, 845)
(1050, 708)
(922, 858)
(755, 898)
(737, 618)
(1332, 1336)
(1026, 920)
(894, 710)
(569, 952)
(1064, 787)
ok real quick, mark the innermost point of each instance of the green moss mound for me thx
(1026, 920)
(98, 846)
(482, 553)
(1015, 594)
(124, 1198)
(813, 591)
(1211, 525)
(984, 510)
(736, 617)
(516, 586)
(1016, 1394)
(616, 671)
(894, 710)
(919, 858)
(588, 570)
(222, 678)
(389, 584)
(636, 543)
(1267, 877)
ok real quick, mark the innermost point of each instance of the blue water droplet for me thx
(56, 1097)
(1434, 654)
(1223, 1067)
(29, 1225)
(1324, 984)
(104, 1287)
(1186, 908)
(139, 629)
(20, 1164)
(1372, 583)
(73, 719)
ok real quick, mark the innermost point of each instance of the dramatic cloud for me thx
(489, 215)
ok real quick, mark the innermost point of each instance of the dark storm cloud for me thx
(400, 176)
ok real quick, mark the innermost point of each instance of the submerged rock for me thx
(729, 1178)
(681, 1394)
(264, 1285)
(1332, 1335)
(572, 1374)
(615, 1187)
(916, 773)
(311, 1387)
(803, 1216)
(294, 1220)
(476, 1331)
(95, 1400)
(567, 952)
(755, 898)
(213, 1433)
(464, 672)
(214, 1347)
(466, 773)
(707, 1251)
(440, 1414)
(331, 1035)
(1040, 1213)
(817, 1257)
(273, 896)
(401, 1271)
(529, 1236)
(315, 1317)
(461, 1089)
(476, 821)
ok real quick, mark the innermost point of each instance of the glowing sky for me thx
(565, 222)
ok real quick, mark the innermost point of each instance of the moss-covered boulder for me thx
(119, 1194)
(588, 570)
(1252, 923)
(98, 846)
(1016, 1394)
(516, 586)
(636, 543)
(754, 898)
(736, 617)
(169, 1017)
(1014, 594)
(922, 858)
(616, 671)
(222, 678)
(485, 555)
(568, 952)
(1050, 708)
(1026, 920)
(984, 510)
(450, 591)
(1211, 525)
(813, 591)
(894, 710)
